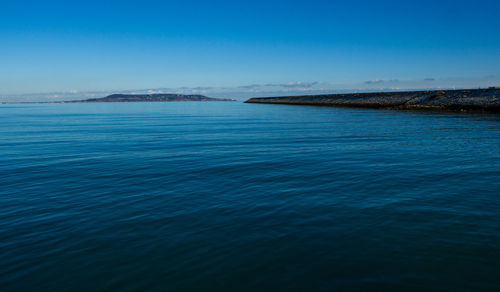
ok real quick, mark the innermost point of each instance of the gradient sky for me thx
(79, 46)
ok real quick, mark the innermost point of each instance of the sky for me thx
(71, 49)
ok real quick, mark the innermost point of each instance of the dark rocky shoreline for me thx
(474, 100)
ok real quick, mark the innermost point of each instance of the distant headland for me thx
(486, 100)
(160, 97)
(149, 98)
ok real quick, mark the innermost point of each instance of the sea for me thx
(227, 196)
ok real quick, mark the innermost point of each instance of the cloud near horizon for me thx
(378, 81)
(295, 84)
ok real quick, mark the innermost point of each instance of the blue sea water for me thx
(226, 196)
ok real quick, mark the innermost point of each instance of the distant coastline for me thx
(150, 98)
(138, 98)
(485, 100)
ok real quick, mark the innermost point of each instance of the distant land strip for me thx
(483, 100)
(160, 97)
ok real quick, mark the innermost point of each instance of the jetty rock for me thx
(483, 100)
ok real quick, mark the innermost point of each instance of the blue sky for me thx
(239, 47)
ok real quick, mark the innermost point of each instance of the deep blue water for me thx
(226, 196)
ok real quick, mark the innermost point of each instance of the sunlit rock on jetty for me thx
(487, 100)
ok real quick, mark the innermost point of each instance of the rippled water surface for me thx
(226, 196)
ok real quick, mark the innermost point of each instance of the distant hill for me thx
(151, 98)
